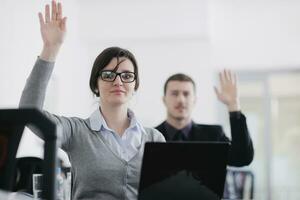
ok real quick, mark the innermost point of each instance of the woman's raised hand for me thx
(53, 30)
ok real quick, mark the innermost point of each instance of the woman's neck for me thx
(116, 117)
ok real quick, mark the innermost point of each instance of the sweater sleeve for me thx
(33, 96)
(158, 136)
(154, 135)
(241, 152)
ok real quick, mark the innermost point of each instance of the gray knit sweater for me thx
(98, 173)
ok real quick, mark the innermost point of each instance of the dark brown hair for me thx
(103, 60)
(179, 77)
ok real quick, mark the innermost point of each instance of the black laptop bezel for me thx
(158, 155)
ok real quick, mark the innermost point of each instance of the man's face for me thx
(179, 99)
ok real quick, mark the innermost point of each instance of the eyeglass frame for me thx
(117, 74)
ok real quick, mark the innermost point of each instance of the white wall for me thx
(261, 34)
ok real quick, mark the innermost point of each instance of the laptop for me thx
(183, 170)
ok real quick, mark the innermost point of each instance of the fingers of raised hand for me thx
(217, 92)
(47, 13)
(41, 18)
(63, 24)
(59, 12)
(227, 77)
(222, 78)
(53, 11)
(56, 12)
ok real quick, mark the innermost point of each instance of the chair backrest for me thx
(12, 123)
(239, 184)
(10, 136)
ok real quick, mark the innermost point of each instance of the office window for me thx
(271, 102)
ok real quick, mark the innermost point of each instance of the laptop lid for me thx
(183, 170)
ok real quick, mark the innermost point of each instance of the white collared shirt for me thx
(125, 146)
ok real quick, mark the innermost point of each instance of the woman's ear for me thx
(96, 92)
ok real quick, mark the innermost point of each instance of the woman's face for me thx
(117, 92)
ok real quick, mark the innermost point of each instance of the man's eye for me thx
(186, 94)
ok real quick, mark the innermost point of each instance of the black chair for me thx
(25, 168)
(10, 136)
(12, 123)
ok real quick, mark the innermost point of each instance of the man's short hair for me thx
(179, 77)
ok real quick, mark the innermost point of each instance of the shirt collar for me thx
(97, 121)
(172, 130)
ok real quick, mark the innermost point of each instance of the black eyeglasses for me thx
(110, 76)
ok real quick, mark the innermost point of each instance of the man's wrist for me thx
(234, 107)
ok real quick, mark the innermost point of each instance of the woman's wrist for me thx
(49, 53)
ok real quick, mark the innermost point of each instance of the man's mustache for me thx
(180, 106)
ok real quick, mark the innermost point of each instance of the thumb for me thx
(63, 24)
(217, 91)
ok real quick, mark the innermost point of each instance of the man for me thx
(180, 98)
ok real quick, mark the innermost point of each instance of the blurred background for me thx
(259, 40)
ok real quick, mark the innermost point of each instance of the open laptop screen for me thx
(183, 170)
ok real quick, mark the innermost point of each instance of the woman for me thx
(106, 149)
